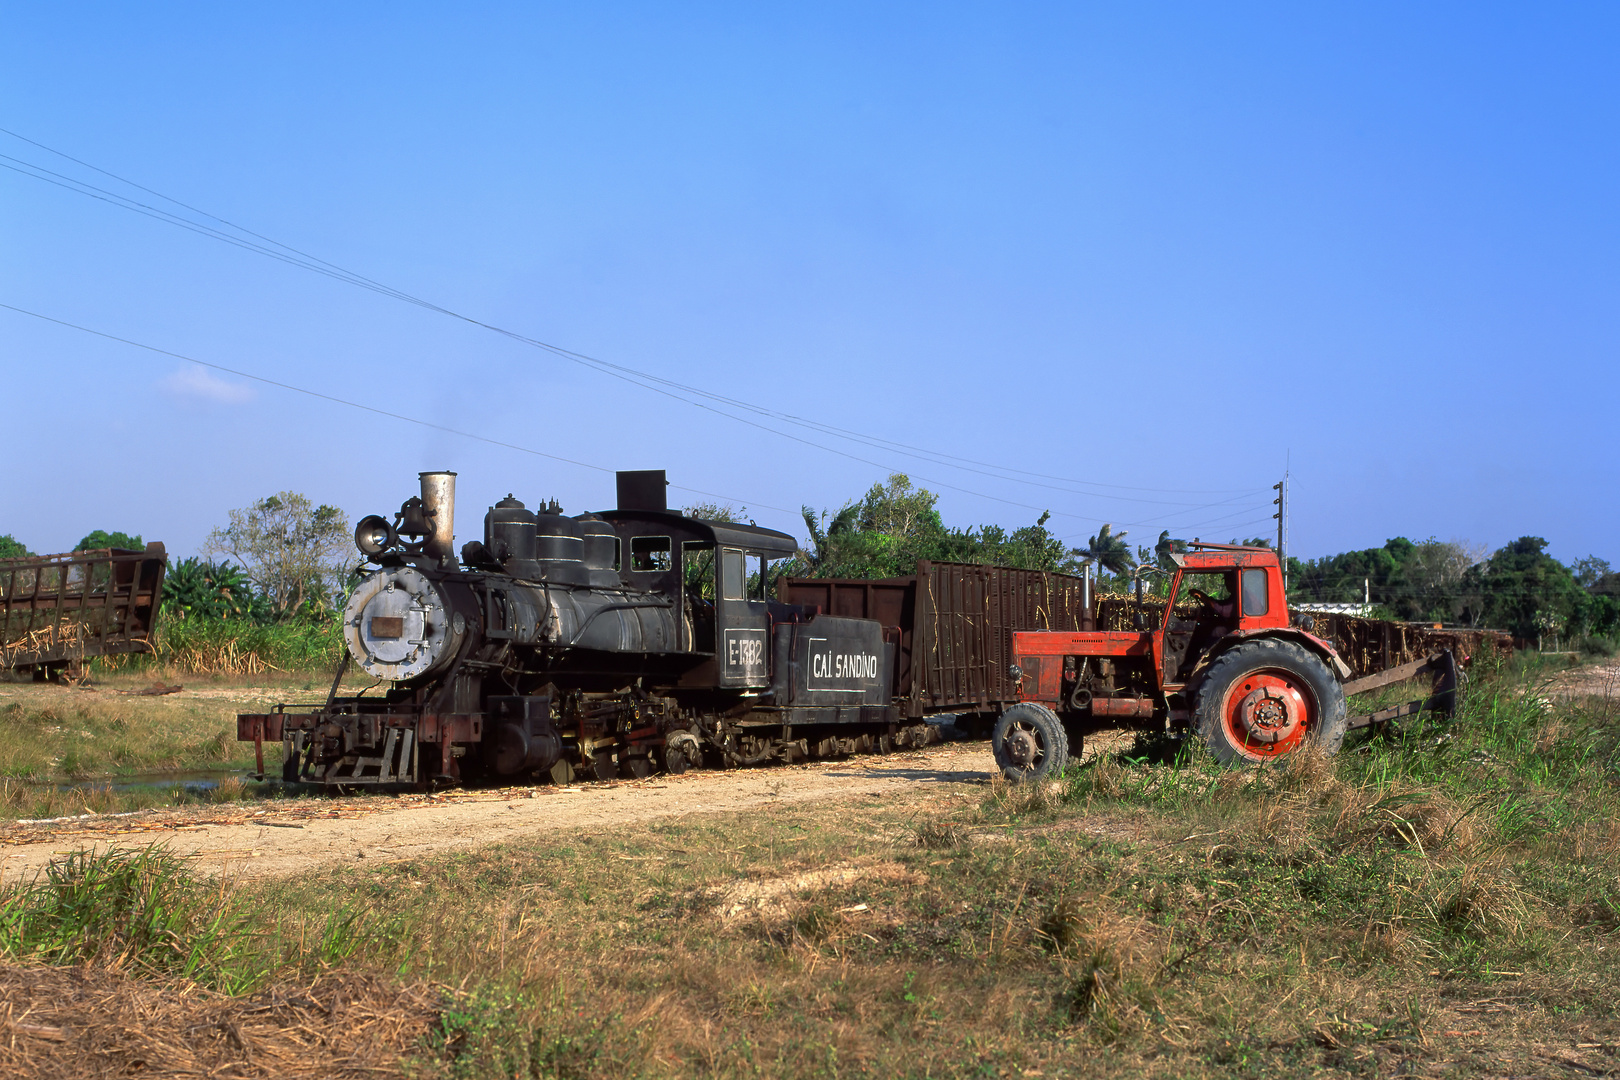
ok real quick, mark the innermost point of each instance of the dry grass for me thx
(100, 1022)
(226, 657)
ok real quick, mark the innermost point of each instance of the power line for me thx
(367, 408)
(646, 380)
(627, 375)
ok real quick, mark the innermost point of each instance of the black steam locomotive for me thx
(611, 644)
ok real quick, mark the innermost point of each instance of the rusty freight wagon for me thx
(57, 611)
(952, 624)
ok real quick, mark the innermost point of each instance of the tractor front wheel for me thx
(1029, 743)
(1262, 700)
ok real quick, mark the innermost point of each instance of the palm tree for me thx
(1165, 548)
(823, 541)
(1108, 550)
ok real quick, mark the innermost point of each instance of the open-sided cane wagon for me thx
(57, 611)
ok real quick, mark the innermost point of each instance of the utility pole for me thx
(1281, 502)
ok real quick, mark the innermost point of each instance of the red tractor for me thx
(1224, 662)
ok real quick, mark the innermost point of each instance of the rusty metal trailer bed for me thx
(57, 611)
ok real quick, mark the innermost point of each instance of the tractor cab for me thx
(1217, 590)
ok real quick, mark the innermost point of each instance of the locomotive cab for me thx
(721, 573)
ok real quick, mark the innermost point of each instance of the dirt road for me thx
(1600, 679)
(281, 837)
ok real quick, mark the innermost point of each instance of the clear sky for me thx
(1172, 248)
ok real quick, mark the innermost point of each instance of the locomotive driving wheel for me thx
(602, 765)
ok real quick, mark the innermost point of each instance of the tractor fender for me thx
(1311, 643)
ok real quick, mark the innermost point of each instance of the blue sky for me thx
(1154, 254)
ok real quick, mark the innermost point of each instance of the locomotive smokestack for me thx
(439, 503)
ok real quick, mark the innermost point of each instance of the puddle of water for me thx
(195, 781)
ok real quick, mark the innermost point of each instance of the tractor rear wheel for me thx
(1262, 700)
(1029, 743)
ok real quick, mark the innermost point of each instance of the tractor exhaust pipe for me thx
(439, 505)
(1088, 611)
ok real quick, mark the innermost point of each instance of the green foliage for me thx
(10, 548)
(293, 551)
(1164, 549)
(103, 539)
(1519, 588)
(310, 642)
(896, 524)
(1527, 591)
(195, 588)
(1109, 551)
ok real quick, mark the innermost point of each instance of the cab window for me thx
(733, 574)
(1256, 599)
(650, 553)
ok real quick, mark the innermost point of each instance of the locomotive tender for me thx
(610, 644)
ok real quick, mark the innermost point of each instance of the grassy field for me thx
(69, 749)
(1446, 903)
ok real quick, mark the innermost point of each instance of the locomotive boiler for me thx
(611, 643)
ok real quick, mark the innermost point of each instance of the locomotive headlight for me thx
(374, 535)
(398, 626)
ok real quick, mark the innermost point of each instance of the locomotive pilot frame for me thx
(639, 639)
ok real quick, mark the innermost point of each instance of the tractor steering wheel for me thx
(1202, 597)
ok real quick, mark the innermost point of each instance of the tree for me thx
(1525, 590)
(1165, 548)
(896, 524)
(716, 512)
(1590, 570)
(1032, 547)
(826, 541)
(292, 551)
(10, 548)
(102, 539)
(897, 509)
(1108, 550)
(1426, 580)
(1433, 577)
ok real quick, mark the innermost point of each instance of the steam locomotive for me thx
(610, 644)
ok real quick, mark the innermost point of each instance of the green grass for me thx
(138, 909)
(105, 735)
(1445, 901)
